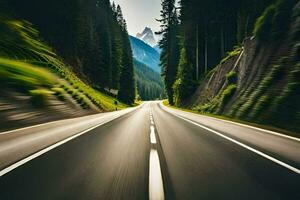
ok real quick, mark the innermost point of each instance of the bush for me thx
(71, 92)
(82, 101)
(208, 107)
(236, 51)
(281, 19)
(263, 25)
(59, 93)
(39, 97)
(75, 94)
(228, 93)
(231, 78)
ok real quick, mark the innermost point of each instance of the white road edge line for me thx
(28, 127)
(263, 130)
(245, 125)
(245, 146)
(53, 122)
(45, 150)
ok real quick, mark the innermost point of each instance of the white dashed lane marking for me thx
(156, 187)
(152, 135)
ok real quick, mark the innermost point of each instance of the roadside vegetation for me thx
(30, 66)
(250, 123)
(257, 81)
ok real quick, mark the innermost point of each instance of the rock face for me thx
(266, 87)
(147, 36)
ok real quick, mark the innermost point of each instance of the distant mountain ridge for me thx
(147, 36)
(145, 54)
(157, 48)
(149, 83)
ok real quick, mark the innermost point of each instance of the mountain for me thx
(147, 36)
(149, 83)
(157, 48)
(144, 53)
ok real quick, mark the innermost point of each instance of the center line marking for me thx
(156, 188)
(152, 135)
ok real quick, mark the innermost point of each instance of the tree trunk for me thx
(206, 50)
(222, 42)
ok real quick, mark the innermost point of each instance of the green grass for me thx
(218, 103)
(39, 97)
(228, 94)
(27, 63)
(209, 107)
(24, 76)
(236, 51)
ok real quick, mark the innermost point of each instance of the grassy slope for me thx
(30, 66)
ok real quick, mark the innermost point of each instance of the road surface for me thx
(148, 152)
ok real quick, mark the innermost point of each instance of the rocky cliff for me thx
(259, 82)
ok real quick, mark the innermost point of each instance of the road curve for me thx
(151, 152)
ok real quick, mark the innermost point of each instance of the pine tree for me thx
(169, 45)
(117, 50)
(127, 91)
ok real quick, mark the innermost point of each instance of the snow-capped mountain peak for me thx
(147, 36)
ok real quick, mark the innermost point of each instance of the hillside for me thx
(92, 39)
(145, 53)
(259, 82)
(40, 83)
(149, 83)
(256, 81)
(146, 62)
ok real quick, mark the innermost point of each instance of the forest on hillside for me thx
(239, 59)
(149, 83)
(90, 36)
(200, 33)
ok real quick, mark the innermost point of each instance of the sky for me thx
(140, 13)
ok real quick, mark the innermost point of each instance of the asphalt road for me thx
(150, 152)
